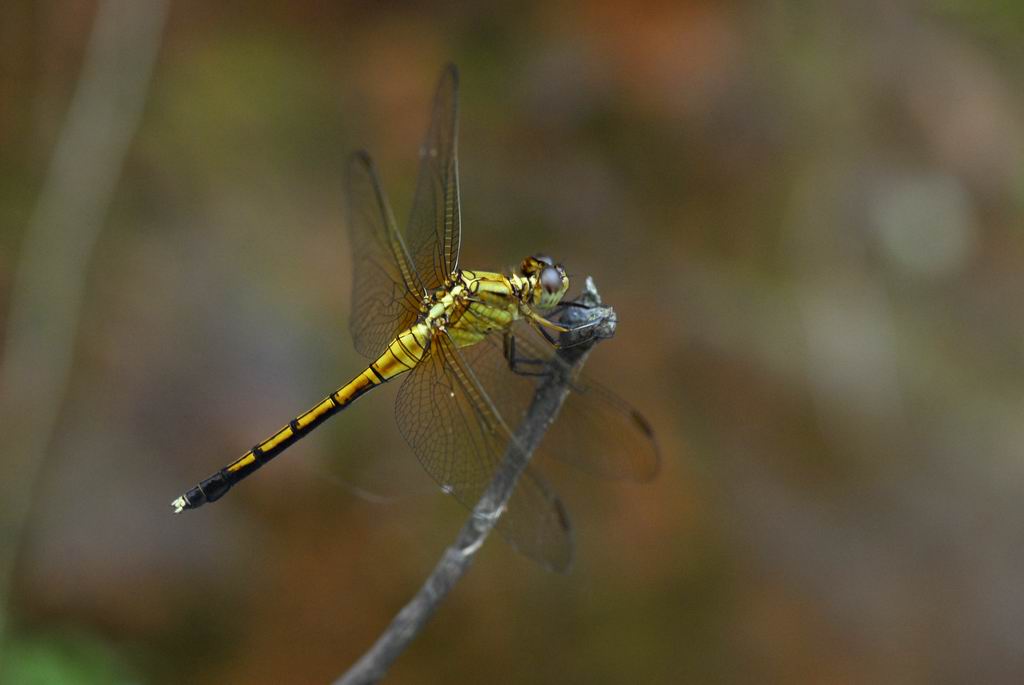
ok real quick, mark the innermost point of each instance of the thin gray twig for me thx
(599, 323)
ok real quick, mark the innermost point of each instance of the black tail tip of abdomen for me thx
(210, 490)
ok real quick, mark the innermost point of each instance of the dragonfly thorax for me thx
(442, 304)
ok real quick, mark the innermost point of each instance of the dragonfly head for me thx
(547, 280)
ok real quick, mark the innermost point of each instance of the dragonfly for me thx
(471, 346)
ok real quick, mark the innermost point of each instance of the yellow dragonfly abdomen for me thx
(403, 354)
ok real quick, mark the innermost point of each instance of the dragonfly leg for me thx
(575, 334)
(519, 365)
(547, 336)
(540, 323)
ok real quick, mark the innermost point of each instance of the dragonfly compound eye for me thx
(551, 280)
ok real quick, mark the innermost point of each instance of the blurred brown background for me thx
(807, 217)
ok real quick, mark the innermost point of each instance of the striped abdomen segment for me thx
(404, 353)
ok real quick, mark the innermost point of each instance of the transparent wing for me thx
(434, 230)
(596, 430)
(457, 435)
(386, 292)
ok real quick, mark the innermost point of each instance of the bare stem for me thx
(598, 323)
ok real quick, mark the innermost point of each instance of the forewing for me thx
(458, 436)
(434, 230)
(596, 430)
(386, 291)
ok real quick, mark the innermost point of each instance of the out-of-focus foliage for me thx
(50, 659)
(807, 215)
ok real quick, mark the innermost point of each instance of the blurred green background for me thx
(808, 217)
